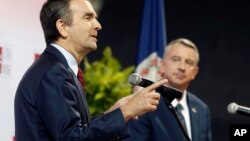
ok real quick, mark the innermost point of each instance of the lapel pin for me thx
(194, 110)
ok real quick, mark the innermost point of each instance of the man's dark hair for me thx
(51, 11)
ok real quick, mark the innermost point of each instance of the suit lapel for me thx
(82, 102)
(193, 112)
(82, 97)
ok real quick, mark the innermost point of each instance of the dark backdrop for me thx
(221, 30)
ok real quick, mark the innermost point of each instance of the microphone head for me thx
(135, 79)
(232, 108)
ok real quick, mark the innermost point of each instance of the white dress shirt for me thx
(185, 112)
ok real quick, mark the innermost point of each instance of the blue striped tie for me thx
(178, 109)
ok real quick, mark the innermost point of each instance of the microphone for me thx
(167, 92)
(234, 108)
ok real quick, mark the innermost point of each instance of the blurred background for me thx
(220, 29)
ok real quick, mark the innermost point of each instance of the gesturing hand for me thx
(143, 101)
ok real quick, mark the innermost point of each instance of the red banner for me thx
(36, 56)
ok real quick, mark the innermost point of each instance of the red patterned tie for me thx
(80, 77)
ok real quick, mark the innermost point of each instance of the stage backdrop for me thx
(221, 30)
(21, 39)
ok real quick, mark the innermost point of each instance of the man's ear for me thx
(196, 70)
(161, 69)
(61, 27)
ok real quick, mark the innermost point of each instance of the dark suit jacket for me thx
(200, 119)
(50, 105)
(161, 125)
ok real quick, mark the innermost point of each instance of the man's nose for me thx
(97, 25)
(182, 66)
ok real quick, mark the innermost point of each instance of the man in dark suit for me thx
(50, 103)
(180, 66)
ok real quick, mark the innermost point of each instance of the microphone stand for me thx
(171, 108)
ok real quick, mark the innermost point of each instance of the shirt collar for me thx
(69, 57)
(183, 100)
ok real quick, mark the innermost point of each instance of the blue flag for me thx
(152, 39)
